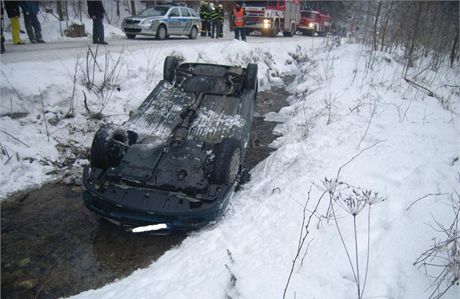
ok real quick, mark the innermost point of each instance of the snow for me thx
(398, 141)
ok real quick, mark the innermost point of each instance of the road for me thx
(54, 50)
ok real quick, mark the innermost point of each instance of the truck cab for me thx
(272, 17)
(314, 22)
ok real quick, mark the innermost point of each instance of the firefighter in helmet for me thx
(214, 16)
(204, 15)
(220, 21)
(238, 22)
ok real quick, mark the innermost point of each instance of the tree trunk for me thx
(133, 8)
(454, 49)
(385, 26)
(118, 8)
(374, 39)
(80, 9)
(410, 56)
(59, 10)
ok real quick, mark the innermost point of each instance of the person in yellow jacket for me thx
(12, 10)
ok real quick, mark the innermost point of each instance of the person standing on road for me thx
(238, 22)
(96, 12)
(12, 9)
(34, 30)
(220, 21)
(204, 15)
(213, 16)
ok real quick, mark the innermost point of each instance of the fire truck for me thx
(272, 17)
(314, 22)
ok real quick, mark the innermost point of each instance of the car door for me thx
(174, 24)
(194, 18)
(186, 20)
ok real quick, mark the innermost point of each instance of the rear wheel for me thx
(161, 32)
(250, 79)
(130, 36)
(193, 33)
(291, 31)
(107, 149)
(227, 163)
(169, 68)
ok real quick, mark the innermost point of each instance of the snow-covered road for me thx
(55, 50)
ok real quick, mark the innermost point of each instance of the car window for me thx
(193, 12)
(184, 12)
(174, 12)
(154, 11)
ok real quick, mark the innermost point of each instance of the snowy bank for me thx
(351, 111)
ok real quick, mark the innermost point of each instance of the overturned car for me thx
(175, 162)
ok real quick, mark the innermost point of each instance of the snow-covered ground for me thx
(347, 106)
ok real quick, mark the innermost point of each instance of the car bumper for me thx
(306, 28)
(139, 29)
(132, 207)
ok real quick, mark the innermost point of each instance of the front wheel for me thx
(227, 163)
(276, 29)
(161, 32)
(169, 68)
(193, 33)
(131, 36)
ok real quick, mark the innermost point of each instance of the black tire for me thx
(131, 36)
(276, 29)
(161, 32)
(169, 68)
(227, 163)
(250, 79)
(105, 151)
(291, 32)
(193, 33)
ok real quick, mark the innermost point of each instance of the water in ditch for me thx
(52, 246)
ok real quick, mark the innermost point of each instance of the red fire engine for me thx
(314, 22)
(272, 17)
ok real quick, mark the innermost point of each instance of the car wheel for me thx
(106, 150)
(130, 36)
(250, 79)
(169, 68)
(291, 31)
(193, 33)
(161, 32)
(276, 28)
(227, 163)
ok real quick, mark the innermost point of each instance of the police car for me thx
(162, 21)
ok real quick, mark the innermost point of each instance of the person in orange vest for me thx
(238, 22)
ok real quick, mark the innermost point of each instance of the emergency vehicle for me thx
(272, 17)
(314, 22)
